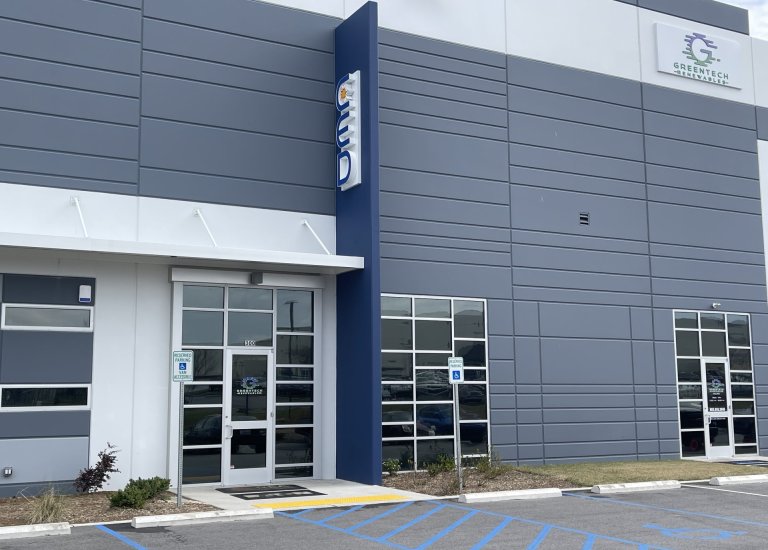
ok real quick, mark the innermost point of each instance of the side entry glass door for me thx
(718, 419)
(248, 418)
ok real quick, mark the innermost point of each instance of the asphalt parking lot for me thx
(695, 517)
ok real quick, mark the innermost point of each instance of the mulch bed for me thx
(446, 483)
(94, 508)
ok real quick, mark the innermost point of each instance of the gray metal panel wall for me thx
(237, 105)
(41, 289)
(28, 357)
(709, 12)
(69, 87)
(762, 123)
(26, 425)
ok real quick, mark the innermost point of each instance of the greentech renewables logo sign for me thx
(698, 56)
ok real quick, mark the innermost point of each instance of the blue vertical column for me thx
(358, 363)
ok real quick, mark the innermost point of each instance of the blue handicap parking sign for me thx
(182, 366)
(456, 374)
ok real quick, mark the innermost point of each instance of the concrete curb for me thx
(735, 480)
(141, 522)
(634, 487)
(39, 530)
(510, 495)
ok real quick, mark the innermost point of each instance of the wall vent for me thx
(584, 218)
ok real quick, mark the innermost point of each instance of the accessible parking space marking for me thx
(408, 526)
(725, 490)
(120, 537)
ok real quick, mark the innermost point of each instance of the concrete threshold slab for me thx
(634, 487)
(735, 480)
(218, 516)
(524, 494)
(38, 530)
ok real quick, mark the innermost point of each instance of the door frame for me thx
(228, 475)
(724, 451)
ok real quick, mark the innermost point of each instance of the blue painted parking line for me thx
(436, 507)
(121, 538)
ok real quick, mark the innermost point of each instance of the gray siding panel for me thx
(686, 197)
(32, 459)
(579, 260)
(762, 123)
(38, 289)
(579, 321)
(45, 424)
(693, 156)
(440, 48)
(431, 278)
(709, 12)
(702, 181)
(26, 357)
(576, 182)
(707, 133)
(698, 107)
(577, 163)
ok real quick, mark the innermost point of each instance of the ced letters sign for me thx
(348, 132)
(183, 366)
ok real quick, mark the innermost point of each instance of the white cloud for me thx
(758, 16)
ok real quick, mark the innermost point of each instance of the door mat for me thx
(763, 463)
(261, 492)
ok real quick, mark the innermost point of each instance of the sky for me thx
(758, 15)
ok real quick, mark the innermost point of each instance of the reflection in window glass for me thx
(294, 373)
(434, 419)
(397, 392)
(430, 450)
(474, 438)
(713, 321)
(433, 335)
(44, 397)
(211, 297)
(293, 445)
(396, 413)
(738, 330)
(397, 366)
(712, 344)
(741, 377)
(397, 430)
(295, 349)
(295, 311)
(283, 472)
(744, 407)
(687, 343)
(396, 334)
(202, 465)
(692, 443)
(429, 307)
(469, 319)
(472, 402)
(747, 450)
(688, 370)
(392, 306)
(744, 430)
(742, 391)
(250, 298)
(209, 364)
(432, 359)
(741, 359)
(691, 415)
(432, 385)
(248, 449)
(202, 426)
(294, 393)
(399, 450)
(20, 316)
(294, 414)
(472, 352)
(686, 319)
(689, 391)
(203, 394)
(250, 329)
(202, 328)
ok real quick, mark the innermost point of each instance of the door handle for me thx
(228, 431)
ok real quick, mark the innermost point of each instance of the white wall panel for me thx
(651, 75)
(476, 24)
(594, 35)
(43, 459)
(760, 64)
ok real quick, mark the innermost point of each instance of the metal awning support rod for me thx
(318, 239)
(199, 214)
(76, 202)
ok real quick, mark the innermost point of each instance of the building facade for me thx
(567, 195)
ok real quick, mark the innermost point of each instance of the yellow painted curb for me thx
(329, 501)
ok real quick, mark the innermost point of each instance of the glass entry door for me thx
(248, 418)
(718, 419)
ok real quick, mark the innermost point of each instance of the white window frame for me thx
(58, 408)
(44, 328)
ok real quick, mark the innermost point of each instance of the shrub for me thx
(391, 466)
(48, 508)
(139, 491)
(92, 479)
(443, 463)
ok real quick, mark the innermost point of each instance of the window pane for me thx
(248, 449)
(428, 307)
(400, 430)
(399, 450)
(474, 439)
(741, 377)
(434, 419)
(469, 319)
(202, 328)
(691, 415)
(740, 359)
(295, 349)
(748, 450)
(396, 334)
(712, 344)
(293, 445)
(432, 359)
(713, 320)
(16, 316)
(433, 335)
(204, 296)
(202, 465)
(396, 413)
(249, 391)
(742, 391)
(744, 407)
(693, 443)
(203, 394)
(44, 397)
(743, 430)
(294, 373)
(202, 426)
(685, 319)
(293, 471)
(397, 366)
(687, 343)
(432, 385)
(688, 370)
(738, 330)
(472, 352)
(294, 414)
(250, 298)
(472, 402)
(295, 311)
(395, 306)
(474, 375)
(431, 450)
(294, 393)
(209, 364)
(397, 392)
(250, 329)
(689, 391)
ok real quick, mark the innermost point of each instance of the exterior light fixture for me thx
(716, 305)
(8, 471)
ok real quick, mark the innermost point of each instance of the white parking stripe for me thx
(725, 490)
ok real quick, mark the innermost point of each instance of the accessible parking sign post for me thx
(182, 371)
(456, 377)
